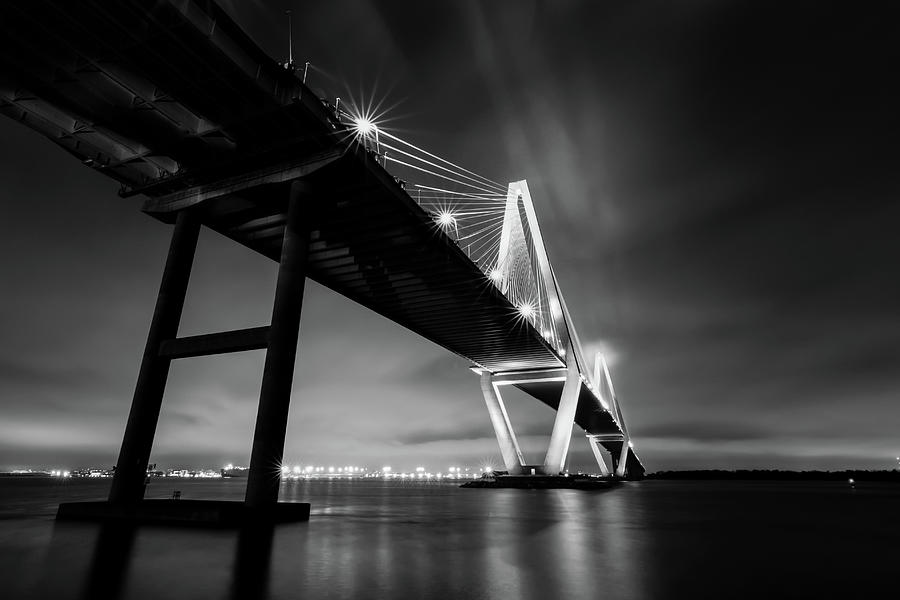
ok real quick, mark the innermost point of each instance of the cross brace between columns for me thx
(606, 437)
(239, 340)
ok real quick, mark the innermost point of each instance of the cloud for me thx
(453, 432)
(706, 431)
(21, 373)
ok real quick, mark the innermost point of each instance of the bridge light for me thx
(445, 218)
(496, 275)
(555, 309)
(364, 126)
(526, 310)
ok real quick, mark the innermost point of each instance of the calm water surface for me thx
(652, 539)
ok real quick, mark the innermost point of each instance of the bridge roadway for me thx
(178, 104)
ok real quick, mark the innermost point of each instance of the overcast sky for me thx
(716, 183)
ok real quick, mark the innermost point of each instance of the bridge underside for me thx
(373, 244)
(159, 96)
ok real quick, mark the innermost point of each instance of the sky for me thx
(717, 188)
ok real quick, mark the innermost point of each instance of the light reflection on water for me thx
(383, 540)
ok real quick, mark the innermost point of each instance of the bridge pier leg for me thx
(131, 468)
(598, 455)
(558, 450)
(622, 462)
(264, 478)
(506, 437)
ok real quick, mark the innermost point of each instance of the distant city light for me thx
(288, 473)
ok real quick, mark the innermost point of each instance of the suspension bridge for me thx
(177, 104)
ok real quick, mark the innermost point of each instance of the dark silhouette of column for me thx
(253, 555)
(110, 562)
(275, 394)
(131, 468)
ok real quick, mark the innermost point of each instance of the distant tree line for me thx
(778, 475)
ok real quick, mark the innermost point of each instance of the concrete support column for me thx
(598, 455)
(131, 468)
(623, 459)
(558, 451)
(264, 477)
(509, 447)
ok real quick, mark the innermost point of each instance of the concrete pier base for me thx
(197, 513)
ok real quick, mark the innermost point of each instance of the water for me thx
(652, 539)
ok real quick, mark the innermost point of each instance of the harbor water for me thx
(388, 539)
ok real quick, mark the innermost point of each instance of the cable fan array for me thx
(486, 219)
